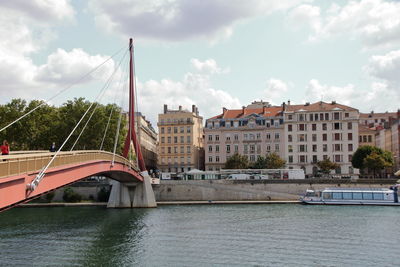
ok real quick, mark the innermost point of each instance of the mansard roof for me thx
(246, 112)
(318, 106)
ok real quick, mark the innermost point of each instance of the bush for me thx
(71, 196)
(103, 195)
(49, 197)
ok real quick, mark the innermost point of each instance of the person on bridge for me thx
(5, 148)
(53, 147)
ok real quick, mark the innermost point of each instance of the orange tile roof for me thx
(238, 113)
(375, 115)
(319, 106)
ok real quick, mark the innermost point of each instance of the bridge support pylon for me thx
(128, 195)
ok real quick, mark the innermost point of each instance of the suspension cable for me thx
(118, 129)
(121, 82)
(41, 174)
(62, 90)
(107, 84)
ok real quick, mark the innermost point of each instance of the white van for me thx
(239, 176)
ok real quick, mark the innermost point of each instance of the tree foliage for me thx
(327, 165)
(371, 157)
(270, 161)
(53, 124)
(237, 161)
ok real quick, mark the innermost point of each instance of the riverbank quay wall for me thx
(240, 190)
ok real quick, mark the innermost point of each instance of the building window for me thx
(290, 128)
(337, 147)
(188, 129)
(336, 116)
(209, 148)
(162, 130)
(314, 137)
(301, 138)
(277, 147)
(217, 148)
(210, 159)
(350, 136)
(325, 148)
(349, 125)
(314, 159)
(268, 148)
(252, 158)
(228, 149)
(302, 148)
(175, 129)
(162, 140)
(337, 136)
(324, 137)
(337, 126)
(346, 115)
(188, 149)
(290, 138)
(209, 137)
(350, 147)
(369, 138)
(169, 139)
(189, 161)
(258, 136)
(302, 158)
(314, 127)
(216, 137)
(290, 117)
(245, 148)
(175, 139)
(302, 127)
(337, 158)
(169, 150)
(182, 129)
(175, 149)
(163, 150)
(276, 136)
(182, 139)
(236, 136)
(188, 138)
(236, 148)
(217, 159)
(290, 148)
(228, 137)
(268, 136)
(182, 149)
(314, 148)
(324, 127)
(169, 130)
(252, 148)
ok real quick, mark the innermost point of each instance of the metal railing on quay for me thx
(32, 162)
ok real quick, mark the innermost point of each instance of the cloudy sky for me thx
(212, 53)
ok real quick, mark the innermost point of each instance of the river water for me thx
(206, 235)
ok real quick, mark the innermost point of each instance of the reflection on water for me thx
(258, 235)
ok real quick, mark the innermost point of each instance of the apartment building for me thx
(389, 139)
(180, 146)
(253, 131)
(377, 120)
(313, 132)
(147, 137)
(366, 136)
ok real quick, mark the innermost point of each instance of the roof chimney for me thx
(288, 102)
(180, 108)
(333, 102)
(264, 109)
(284, 106)
(165, 108)
(223, 110)
(197, 111)
(194, 108)
(243, 109)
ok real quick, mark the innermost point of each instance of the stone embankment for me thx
(251, 190)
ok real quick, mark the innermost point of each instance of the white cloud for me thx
(305, 15)
(64, 67)
(208, 66)
(195, 88)
(386, 67)
(380, 97)
(376, 22)
(177, 20)
(275, 91)
(41, 10)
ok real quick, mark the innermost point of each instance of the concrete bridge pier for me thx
(132, 195)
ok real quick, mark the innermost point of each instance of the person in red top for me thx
(5, 148)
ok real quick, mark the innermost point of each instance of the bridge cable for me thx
(118, 128)
(107, 84)
(32, 186)
(62, 90)
(114, 105)
(137, 111)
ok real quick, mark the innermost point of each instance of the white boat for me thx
(353, 196)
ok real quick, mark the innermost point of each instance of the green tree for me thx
(358, 160)
(377, 162)
(237, 161)
(327, 165)
(273, 161)
(260, 163)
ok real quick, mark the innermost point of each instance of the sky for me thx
(211, 53)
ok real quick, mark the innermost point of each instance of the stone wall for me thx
(204, 190)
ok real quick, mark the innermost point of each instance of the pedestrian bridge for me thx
(18, 171)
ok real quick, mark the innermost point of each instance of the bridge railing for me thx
(33, 162)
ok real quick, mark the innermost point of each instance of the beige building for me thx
(366, 136)
(253, 131)
(320, 130)
(147, 137)
(180, 146)
(377, 120)
(389, 139)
